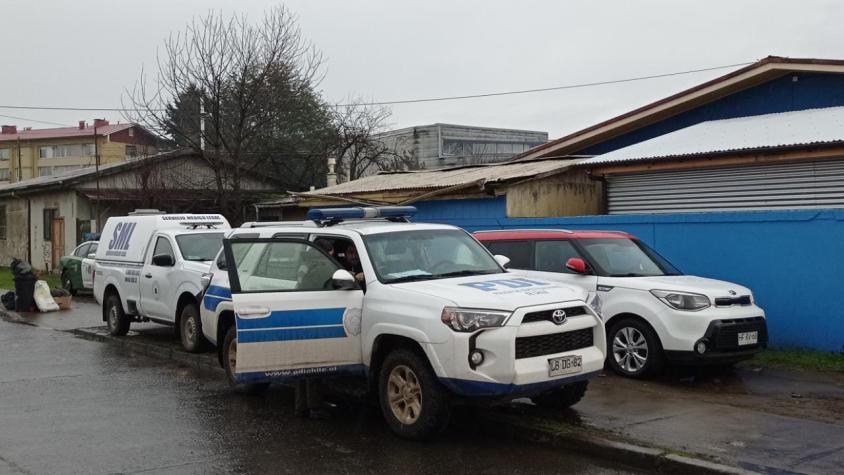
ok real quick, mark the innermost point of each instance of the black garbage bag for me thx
(24, 285)
(59, 292)
(8, 300)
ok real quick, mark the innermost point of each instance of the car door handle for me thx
(148, 276)
(253, 311)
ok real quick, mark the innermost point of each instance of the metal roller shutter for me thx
(810, 184)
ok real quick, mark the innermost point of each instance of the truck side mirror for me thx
(92, 255)
(502, 260)
(576, 265)
(343, 280)
(163, 260)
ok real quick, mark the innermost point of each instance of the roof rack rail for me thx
(268, 224)
(198, 224)
(567, 231)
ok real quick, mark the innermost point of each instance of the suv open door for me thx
(295, 314)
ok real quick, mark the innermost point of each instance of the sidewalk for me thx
(759, 420)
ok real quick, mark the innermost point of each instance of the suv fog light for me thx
(700, 347)
(476, 357)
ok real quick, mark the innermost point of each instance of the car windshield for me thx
(428, 254)
(200, 246)
(626, 258)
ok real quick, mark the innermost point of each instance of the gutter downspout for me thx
(28, 230)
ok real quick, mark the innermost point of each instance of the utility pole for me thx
(20, 161)
(97, 173)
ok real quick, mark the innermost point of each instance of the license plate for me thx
(748, 338)
(565, 365)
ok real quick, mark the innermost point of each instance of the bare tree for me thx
(359, 150)
(255, 82)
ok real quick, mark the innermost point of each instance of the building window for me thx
(62, 151)
(57, 170)
(49, 214)
(131, 131)
(3, 222)
(5, 153)
(4, 174)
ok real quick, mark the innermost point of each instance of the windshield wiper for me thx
(410, 278)
(461, 273)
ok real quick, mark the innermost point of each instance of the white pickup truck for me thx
(149, 268)
(429, 316)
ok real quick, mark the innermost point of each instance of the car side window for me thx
(221, 261)
(517, 251)
(282, 266)
(82, 250)
(92, 249)
(163, 246)
(551, 256)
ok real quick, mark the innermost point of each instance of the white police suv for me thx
(422, 313)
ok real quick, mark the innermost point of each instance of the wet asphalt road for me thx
(69, 405)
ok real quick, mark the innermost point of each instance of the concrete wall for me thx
(788, 258)
(16, 225)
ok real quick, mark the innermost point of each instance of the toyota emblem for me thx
(732, 292)
(558, 316)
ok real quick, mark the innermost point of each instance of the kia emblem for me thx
(558, 316)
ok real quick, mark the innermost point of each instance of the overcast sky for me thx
(84, 53)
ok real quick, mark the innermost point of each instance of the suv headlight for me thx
(469, 320)
(682, 300)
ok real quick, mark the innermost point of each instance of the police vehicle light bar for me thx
(339, 214)
(196, 224)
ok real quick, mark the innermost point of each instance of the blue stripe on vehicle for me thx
(294, 318)
(287, 334)
(468, 387)
(301, 373)
(210, 302)
(222, 292)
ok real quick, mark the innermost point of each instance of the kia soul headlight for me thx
(469, 320)
(682, 300)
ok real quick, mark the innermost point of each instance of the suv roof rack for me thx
(331, 216)
(198, 224)
(269, 224)
(567, 231)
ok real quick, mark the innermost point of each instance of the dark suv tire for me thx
(230, 363)
(116, 319)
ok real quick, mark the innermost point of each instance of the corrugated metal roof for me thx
(783, 129)
(64, 132)
(444, 178)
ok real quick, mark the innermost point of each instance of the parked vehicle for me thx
(652, 311)
(420, 313)
(149, 268)
(77, 268)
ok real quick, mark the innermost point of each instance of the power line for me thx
(34, 120)
(422, 100)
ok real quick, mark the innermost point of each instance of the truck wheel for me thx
(564, 397)
(230, 363)
(414, 403)
(190, 329)
(633, 349)
(67, 284)
(116, 319)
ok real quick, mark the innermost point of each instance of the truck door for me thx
(292, 318)
(156, 292)
(87, 267)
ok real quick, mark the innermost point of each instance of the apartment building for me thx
(30, 153)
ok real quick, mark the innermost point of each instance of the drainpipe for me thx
(28, 230)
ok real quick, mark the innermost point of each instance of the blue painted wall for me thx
(780, 95)
(792, 260)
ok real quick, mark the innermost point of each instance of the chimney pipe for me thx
(100, 122)
(9, 129)
(81, 125)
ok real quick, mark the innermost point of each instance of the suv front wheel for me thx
(633, 348)
(414, 403)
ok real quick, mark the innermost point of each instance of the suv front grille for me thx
(545, 315)
(730, 301)
(531, 346)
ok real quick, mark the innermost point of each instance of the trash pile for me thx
(31, 294)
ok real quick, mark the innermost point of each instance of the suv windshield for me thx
(626, 258)
(200, 246)
(427, 254)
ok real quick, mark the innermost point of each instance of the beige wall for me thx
(16, 225)
(568, 194)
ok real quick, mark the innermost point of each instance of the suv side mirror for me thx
(92, 255)
(576, 265)
(163, 260)
(502, 260)
(343, 280)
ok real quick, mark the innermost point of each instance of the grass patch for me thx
(7, 282)
(799, 359)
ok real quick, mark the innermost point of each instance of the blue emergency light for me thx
(339, 214)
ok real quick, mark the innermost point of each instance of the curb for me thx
(600, 445)
(582, 440)
(203, 361)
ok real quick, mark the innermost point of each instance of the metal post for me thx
(97, 174)
(20, 172)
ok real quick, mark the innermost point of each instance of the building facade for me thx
(31, 153)
(446, 145)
